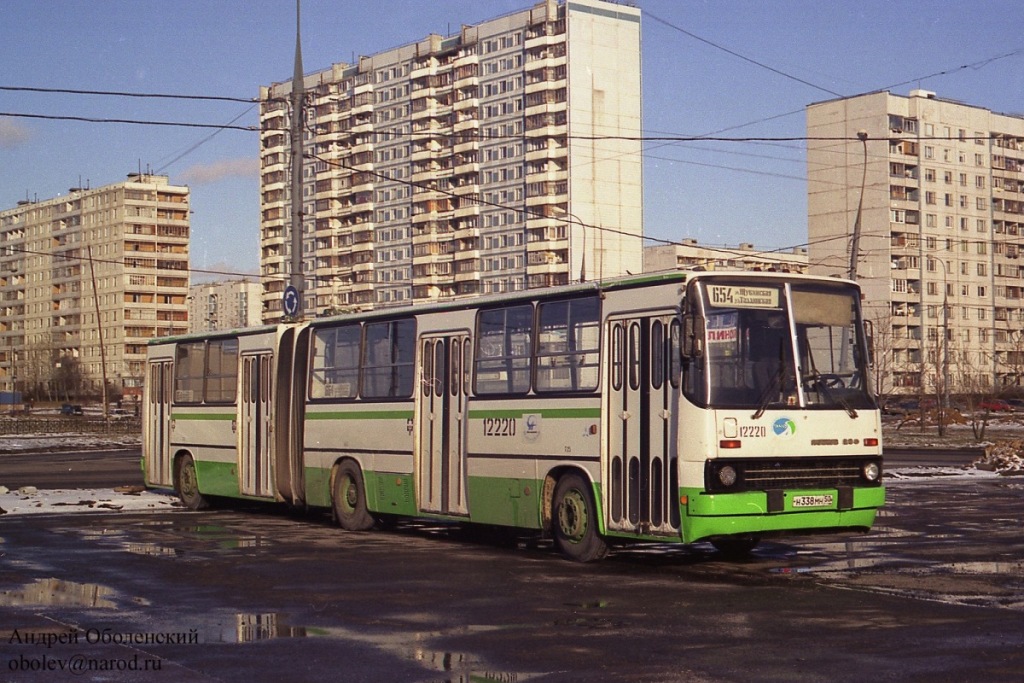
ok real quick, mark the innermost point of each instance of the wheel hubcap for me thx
(572, 516)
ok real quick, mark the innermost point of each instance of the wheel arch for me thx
(176, 460)
(548, 495)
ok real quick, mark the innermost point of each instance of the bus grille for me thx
(795, 473)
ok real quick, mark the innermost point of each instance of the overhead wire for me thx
(664, 139)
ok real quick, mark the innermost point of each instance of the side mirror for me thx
(693, 336)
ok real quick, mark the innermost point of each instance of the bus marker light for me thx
(593, 429)
(683, 500)
(730, 443)
(871, 442)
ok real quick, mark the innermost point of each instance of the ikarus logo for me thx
(784, 427)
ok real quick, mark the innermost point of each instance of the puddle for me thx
(457, 667)
(248, 628)
(59, 593)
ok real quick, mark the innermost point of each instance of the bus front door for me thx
(254, 426)
(158, 423)
(642, 397)
(441, 424)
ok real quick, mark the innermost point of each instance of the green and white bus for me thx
(678, 407)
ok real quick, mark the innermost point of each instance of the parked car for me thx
(1016, 403)
(996, 405)
(904, 407)
(70, 409)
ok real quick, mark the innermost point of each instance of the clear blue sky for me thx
(717, 192)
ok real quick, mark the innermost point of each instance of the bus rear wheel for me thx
(575, 520)
(349, 498)
(187, 484)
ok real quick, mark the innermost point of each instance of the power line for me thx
(740, 56)
(114, 93)
(137, 122)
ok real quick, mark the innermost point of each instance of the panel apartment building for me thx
(109, 264)
(940, 244)
(688, 254)
(502, 158)
(225, 305)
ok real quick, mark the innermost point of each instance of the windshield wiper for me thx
(770, 391)
(822, 387)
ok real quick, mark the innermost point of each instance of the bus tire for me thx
(349, 498)
(574, 520)
(187, 484)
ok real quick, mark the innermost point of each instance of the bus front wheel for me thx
(349, 499)
(575, 520)
(188, 484)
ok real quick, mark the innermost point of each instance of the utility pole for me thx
(298, 122)
(99, 328)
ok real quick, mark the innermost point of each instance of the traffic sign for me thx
(290, 300)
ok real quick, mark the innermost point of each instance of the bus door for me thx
(441, 423)
(642, 398)
(254, 426)
(159, 388)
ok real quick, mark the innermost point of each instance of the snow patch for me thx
(28, 500)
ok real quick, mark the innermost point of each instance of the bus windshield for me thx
(781, 344)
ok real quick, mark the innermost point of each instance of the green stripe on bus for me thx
(553, 413)
(362, 415)
(203, 416)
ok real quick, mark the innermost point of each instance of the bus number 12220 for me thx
(499, 426)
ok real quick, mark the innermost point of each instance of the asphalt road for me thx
(933, 593)
(72, 470)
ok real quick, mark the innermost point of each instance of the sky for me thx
(726, 68)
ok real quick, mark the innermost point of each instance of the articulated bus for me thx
(682, 407)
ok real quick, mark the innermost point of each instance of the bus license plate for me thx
(822, 501)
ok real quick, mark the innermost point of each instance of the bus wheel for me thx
(349, 499)
(188, 485)
(735, 548)
(575, 520)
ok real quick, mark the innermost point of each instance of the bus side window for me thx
(388, 359)
(189, 364)
(335, 371)
(221, 371)
(504, 350)
(568, 340)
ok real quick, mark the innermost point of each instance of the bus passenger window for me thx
(388, 358)
(568, 340)
(504, 348)
(335, 362)
(221, 371)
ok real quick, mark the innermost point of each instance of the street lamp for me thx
(583, 230)
(862, 135)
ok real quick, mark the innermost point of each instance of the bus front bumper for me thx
(759, 512)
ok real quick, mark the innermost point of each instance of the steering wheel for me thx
(830, 381)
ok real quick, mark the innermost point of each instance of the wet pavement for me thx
(934, 593)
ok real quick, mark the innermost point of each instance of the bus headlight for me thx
(727, 475)
(871, 471)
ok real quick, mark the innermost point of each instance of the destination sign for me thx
(729, 296)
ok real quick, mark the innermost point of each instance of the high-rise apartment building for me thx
(939, 188)
(225, 305)
(86, 280)
(502, 158)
